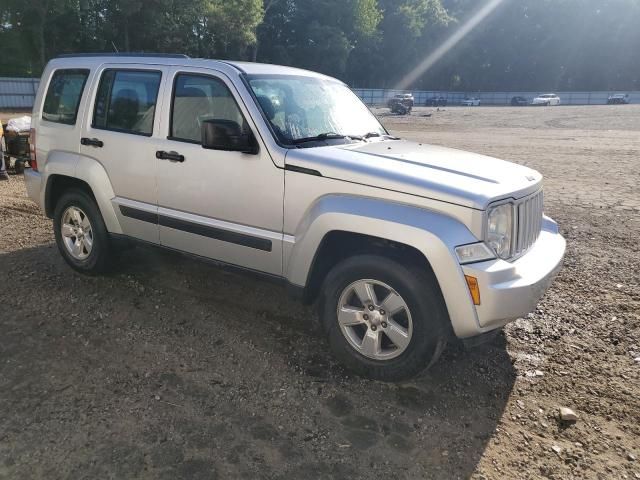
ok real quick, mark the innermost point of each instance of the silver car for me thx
(286, 173)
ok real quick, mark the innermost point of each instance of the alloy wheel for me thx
(375, 319)
(77, 233)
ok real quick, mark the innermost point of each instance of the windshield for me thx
(299, 107)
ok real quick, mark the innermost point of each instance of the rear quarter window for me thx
(63, 96)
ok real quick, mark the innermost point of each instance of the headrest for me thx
(191, 92)
(267, 106)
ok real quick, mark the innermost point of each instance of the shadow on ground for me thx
(171, 368)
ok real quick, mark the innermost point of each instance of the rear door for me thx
(219, 204)
(120, 132)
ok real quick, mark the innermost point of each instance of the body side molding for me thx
(216, 233)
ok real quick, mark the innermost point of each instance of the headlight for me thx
(474, 252)
(500, 229)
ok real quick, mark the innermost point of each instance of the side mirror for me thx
(219, 134)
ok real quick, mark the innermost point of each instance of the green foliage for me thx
(522, 45)
(416, 15)
(546, 45)
(367, 17)
(233, 24)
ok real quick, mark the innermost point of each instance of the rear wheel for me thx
(384, 320)
(80, 232)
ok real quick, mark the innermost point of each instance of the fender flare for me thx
(433, 234)
(90, 171)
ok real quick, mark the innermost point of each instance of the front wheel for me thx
(80, 232)
(384, 319)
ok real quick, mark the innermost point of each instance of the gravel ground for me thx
(169, 368)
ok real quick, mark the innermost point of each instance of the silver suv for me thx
(286, 173)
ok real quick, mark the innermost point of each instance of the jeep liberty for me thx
(286, 173)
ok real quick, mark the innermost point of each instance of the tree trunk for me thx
(42, 16)
(267, 6)
(43, 57)
(126, 35)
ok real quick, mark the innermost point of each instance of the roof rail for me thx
(123, 54)
(233, 65)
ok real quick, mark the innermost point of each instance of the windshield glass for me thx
(299, 107)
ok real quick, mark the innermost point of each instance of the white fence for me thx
(19, 93)
(379, 97)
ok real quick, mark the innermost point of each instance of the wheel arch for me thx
(57, 184)
(354, 224)
(338, 245)
(64, 171)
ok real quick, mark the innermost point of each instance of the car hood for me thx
(429, 171)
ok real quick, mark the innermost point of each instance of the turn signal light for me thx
(474, 289)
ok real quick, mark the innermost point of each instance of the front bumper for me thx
(33, 182)
(509, 290)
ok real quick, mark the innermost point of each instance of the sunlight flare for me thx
(448, 44)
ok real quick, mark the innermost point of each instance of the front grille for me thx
(528, 222)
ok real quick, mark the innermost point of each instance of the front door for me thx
(218, 204)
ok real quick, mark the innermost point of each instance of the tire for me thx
(422, 324)
(89, 260)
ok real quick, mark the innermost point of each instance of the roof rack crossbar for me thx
(123, 54)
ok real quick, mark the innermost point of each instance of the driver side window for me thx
(197, 98)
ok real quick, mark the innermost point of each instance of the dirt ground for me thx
(169, 368)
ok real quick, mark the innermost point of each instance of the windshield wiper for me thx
(322, 136)
(363, 137)
(338, 136)
(366, 136)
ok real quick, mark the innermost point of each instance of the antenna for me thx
(114, 47)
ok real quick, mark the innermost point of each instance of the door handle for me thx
(94, 142)
(172, 156)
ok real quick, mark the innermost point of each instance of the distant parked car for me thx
(519, 101)
(402, 103)
(618, 99)
(546, 99)
(471, 102)
(437, 101)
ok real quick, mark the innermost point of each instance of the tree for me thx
(316, 34)
(521, 45)
(233, 25)
(404, 32)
